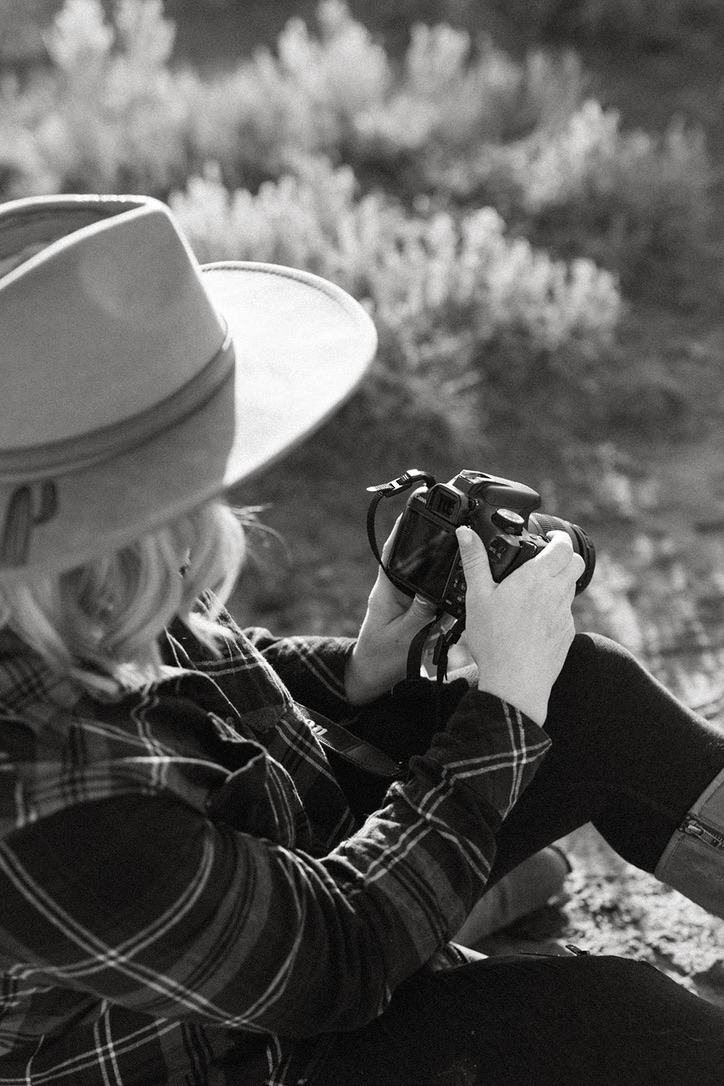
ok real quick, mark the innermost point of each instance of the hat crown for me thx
(137, 385)
(103, 323)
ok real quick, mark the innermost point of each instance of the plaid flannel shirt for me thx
(184, 898)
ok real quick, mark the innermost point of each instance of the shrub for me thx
(22, 23)
(305, 98)
(639, 23)
(456, 119)
(108, 115)
(461, 119)
(460, 306)
(116, 108)
(643, 203)
(636, 203)
(340, 94)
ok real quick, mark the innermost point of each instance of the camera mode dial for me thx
(508, 521)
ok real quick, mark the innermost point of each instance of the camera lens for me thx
(582, 543)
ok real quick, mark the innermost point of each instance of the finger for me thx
(557, 557)
(575, 570)
(421, 610)
(390, 540)
(579, 566)
(476, 564)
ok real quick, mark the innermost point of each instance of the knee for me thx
(597, 659)
(596, 674)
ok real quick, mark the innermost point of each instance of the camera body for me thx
(425, 557)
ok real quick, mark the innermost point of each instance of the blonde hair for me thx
(100, 623)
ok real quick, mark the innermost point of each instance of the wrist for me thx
(368, 676)
(532, 707)
(357, 680)
(523, 688)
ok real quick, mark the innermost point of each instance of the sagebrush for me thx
(457, 120)
(447, 293)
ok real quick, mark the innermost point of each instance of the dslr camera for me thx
(425, 556)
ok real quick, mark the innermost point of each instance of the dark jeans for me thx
(535, 1021)
(626, 756)
(631, 759)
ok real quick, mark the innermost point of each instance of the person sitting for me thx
(185, 893)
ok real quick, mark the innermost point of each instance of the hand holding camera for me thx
(425, 559)
(519, 631)
(392, 621)
(456, 545)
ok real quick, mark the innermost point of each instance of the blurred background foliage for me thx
(527, 195)
(544, 267)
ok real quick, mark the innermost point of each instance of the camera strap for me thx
(412, 477)
(352, 749)
(446, 638)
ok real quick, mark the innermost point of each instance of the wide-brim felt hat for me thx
(136, 383)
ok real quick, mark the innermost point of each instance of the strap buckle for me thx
(403, 482)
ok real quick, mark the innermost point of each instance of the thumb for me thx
(476, 565)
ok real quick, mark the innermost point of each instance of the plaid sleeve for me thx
(143, 901)
(312, 668)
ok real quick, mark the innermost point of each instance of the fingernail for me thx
(464, 534)
(425, 604)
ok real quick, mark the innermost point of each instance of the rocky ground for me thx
(610, 907)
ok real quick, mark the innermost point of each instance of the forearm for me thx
(437, 829)
(156, 908)
(235, 932)
(312, 668)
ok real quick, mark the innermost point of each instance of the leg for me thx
(536, 1020)
(626, 755)
(520, 892)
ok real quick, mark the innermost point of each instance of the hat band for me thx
(75, 453)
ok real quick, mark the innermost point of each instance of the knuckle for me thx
(561, 539)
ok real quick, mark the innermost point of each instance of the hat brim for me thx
(302, 346)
